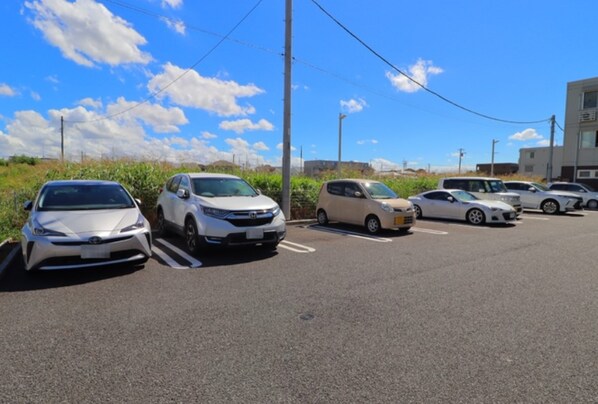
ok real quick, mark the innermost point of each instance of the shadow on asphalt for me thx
(17, 280)
(344, 229)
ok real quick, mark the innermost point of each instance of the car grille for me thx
(82, 242)
(241, 238)
(250, 218)
(408, 220)
(77, 260)
(507, 216)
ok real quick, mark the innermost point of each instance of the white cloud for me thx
(87, 33)
(188, 88)
(172, 3)
(161, 119)
(261, 146)
(279, 147)
(543, 143)
(528, 134)
(242, 125)
(35, 96)
(177, 26)
(381, 164)
(90, 102)
(353, 105)
(208, 135)
(419, 72)
(365, 141)
(5, 89)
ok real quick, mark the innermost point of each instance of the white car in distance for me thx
(537, 196)
(457, 204)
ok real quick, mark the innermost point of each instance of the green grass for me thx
(20, 182)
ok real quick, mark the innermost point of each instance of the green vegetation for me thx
(20, 179)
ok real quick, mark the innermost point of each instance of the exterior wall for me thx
(575, 156)
(533, 161)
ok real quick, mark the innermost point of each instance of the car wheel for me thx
(161, 230)
(418, 211)
(372, 224)
(550, 206)
(592, 204)
(191, 236)
(476, 216)
(322, 217)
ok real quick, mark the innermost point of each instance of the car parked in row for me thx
(537, 196)
(218, 210)
(586, 192)
(364, 202)
(83, 224)
(457, 204)
(483, 188)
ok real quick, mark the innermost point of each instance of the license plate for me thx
(254, 234)
(95, 251)
(399, 220)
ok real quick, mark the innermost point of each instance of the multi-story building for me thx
(580, 155)
(533, 161)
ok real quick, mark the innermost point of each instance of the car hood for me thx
(260, 202)
(84, 222)
(398, 203)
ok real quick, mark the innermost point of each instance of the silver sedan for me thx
(82, 224)
(461, 205)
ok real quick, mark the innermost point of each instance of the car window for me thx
(378, 190)
(350, 189)
(184, 183)
(465, 196)
(437, 196)
(540, 187)
(495, 186)
(173, 186)
(84, 197)
(222, 187)
(335, 188)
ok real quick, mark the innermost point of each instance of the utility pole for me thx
(286, 125)
(492, 163)
(550, 151)
(461, 153)
(62, 139)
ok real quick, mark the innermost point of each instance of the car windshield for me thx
(588, 188)
(84, 197)
(222, 187)
(541, 187)
(464, 196)
(378, 190)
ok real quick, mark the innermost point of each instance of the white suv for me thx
(483, 188)
(538, 196)
(218, 210)
(589, 194)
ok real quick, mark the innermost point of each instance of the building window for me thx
(590, 99)
(530, 154)
(583, 174)
(529, 169)
(589, 139)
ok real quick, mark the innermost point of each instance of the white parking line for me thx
(194, 262)
(300, 247)
(430, 231)
(352, 234)
(171, 263)
(533, 217)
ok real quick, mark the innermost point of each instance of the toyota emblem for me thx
(95, 240)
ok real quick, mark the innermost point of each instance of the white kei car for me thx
(218, 210)
(461, 205)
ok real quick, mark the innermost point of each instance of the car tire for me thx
(550, 207)
(372, 224)
(418, 211)
(191, 236)
(592, 204)
(476, 217)
(161, 229)
(322, 217)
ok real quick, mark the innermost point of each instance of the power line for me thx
(379, 56)
(153, 95)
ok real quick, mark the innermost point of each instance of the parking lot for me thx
(448, 312)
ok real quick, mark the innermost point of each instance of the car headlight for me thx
(276, 211)
(387, 208)
(213, 212)
(39, 230)
(139, 224)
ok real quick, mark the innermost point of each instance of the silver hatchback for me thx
(82, 224)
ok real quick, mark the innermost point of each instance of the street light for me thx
(341, 116)
(492, 163)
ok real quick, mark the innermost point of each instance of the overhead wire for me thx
(383, 59)
(161, 90)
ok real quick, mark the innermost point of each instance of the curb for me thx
(9, 258)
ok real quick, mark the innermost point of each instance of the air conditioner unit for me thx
(587, 116)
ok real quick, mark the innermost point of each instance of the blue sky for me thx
(199, 81)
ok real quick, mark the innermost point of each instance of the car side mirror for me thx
(482, 190)
(450, 199)
(259, 191)
(138, 202)
(182, 193)
(28, 205)
(358, 194)
(532, 189)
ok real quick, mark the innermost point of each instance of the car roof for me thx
(352, 179)
(471, 178)
(210, 175)
(80, 182)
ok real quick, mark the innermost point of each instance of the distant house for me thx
(314, 168)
